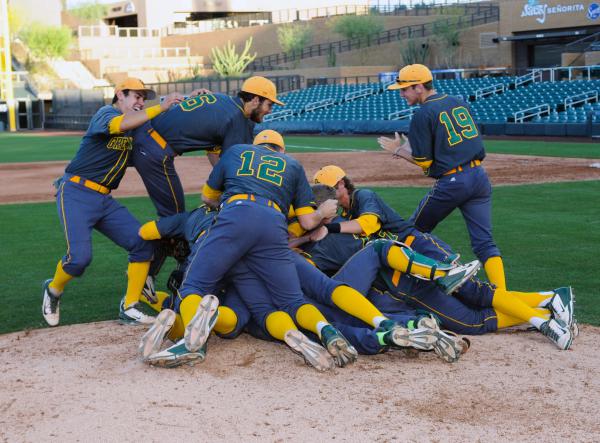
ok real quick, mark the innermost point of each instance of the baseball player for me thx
(475, 308)
(445, 142)
(84, 201)
(208, 121)
(318, 287)
(253, 182)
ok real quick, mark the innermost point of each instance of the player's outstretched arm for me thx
(399, 146)
(132, 120)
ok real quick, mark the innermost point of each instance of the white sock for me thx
(377, 320)
(537, 321)
(320, 326)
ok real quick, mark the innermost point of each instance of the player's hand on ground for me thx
(328, 208)
(171, 99)
(200, 91)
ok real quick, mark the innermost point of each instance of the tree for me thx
(447, 38)
(294, 38)
(90, 12)
(227, 62)
(362, 27)
(47, 42)
(415, 51)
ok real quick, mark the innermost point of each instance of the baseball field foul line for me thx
(328, 149)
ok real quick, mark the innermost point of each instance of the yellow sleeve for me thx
(304, 211)
(214, 150)
(149, 231)
(369, 223)
(295, 230)
(211, 193)
(423, 162)
(114, 126)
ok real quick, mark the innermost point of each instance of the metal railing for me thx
(532, 77)
(584, 97)
(570, 73)
(325, 103)
(489, 90)
(403, 114)
(358, 94)
(522, 115)
(280, 115)
(486, 15)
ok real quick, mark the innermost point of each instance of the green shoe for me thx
(336, 344)
(561, 305)
(177, 355)
(455, 278)
(558, 332)
(394, 335)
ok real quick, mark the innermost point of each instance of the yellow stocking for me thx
(533, 299)
(308, 317)
(226, 321)
(494, 269)
(61, 278)
(512, 306)
(278, 323)
(354, 303)
(136, 277)
(506, 321)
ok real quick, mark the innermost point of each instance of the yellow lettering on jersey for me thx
(120, 143)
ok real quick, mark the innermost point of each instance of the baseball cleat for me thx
(558, 332)
(176, 355)
(50, 305)
(149, 290)
(314, 354)
(456, 277)
(398, 337)
(336, 344)
(133, 315)
(561, 305)
(153, 339)
(452, 259)
(198, 330)
(449, 346)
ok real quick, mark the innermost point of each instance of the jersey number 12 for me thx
(269, 169)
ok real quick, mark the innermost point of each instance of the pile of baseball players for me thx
(330, 270)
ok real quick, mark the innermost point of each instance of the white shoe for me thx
(558, 332)
(153, 339)
(314, 354)
(198, 330)
(176, 355)
(133, 315)
(50, 305)
(457, 277)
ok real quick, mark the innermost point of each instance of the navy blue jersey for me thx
(261, 171)
(330, 254)
(443, 135)
(102, 157)
(365, 201)
(205, 122)
(186, 224)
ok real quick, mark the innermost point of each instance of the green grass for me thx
(549, 235)
(33, 148)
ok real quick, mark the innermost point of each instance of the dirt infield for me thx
(30, 182)
(84, 383)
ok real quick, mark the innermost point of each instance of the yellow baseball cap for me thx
(263, 87)
(269, 136)
(329, 175)
(412, 75)
(135, 84)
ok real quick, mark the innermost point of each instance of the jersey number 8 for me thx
(463, 119)
(269, 169)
